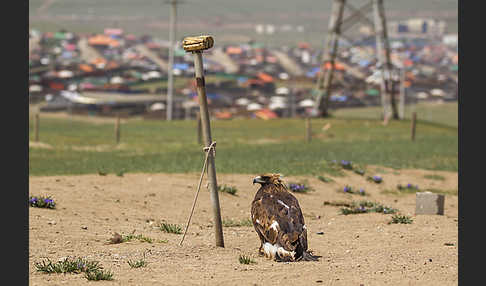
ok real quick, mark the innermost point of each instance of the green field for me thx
(227, 21)
(434, 113)
(243, 146)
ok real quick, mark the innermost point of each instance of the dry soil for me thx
(356, 249)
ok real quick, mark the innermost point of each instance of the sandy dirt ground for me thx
(360, 249)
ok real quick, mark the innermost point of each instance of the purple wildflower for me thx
(346, 164)
(347, 189)
(377, 179)
(297, 187)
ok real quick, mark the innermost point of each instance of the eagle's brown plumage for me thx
(278, 221)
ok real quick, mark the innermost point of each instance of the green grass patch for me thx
(367, 207)
(408, 188)
(227, 189)
(403, 219)
(170, 228)
(246, 259)
(403, 190)
(375, 179)
(338, 204)
(359, 169)
(325, 179)
(99, 275)
(381, 170)
(350, 190)
(138, 263)
(435, 177)
(444, 192)
(92, 269)
(244, 146)
(236, 223)
(445, 114)
(42, 202)
(68, 265)
(139, 237)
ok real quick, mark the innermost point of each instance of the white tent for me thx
(282, 90)
(45, 61)
(278, 99)
(437, 92)
(72, 87)
(306, 103)
(189, 104)
(242, 101)
(65, 74)
(277, 105)
(157, 106)
(154, 74)
(253, 106)
(422, 95)
(116, 80)
(283, 75)
(35, 88)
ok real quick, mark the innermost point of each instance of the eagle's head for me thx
(268, 178)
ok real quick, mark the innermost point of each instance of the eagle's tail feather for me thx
(307, 256)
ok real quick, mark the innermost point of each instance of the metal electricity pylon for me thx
(337, 26)
(172, 34)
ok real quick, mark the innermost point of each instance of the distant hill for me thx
(228, 21)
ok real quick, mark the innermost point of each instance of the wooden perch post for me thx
(36, 127)
(197, 45)
(117, 130)
(414, 123)
(308, 130)
(199, 129)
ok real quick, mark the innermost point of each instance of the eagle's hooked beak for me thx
(258, 180)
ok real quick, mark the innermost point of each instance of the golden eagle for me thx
(278, 221)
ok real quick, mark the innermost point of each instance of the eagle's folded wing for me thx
(279, 219)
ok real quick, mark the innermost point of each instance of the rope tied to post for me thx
(211, 149)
